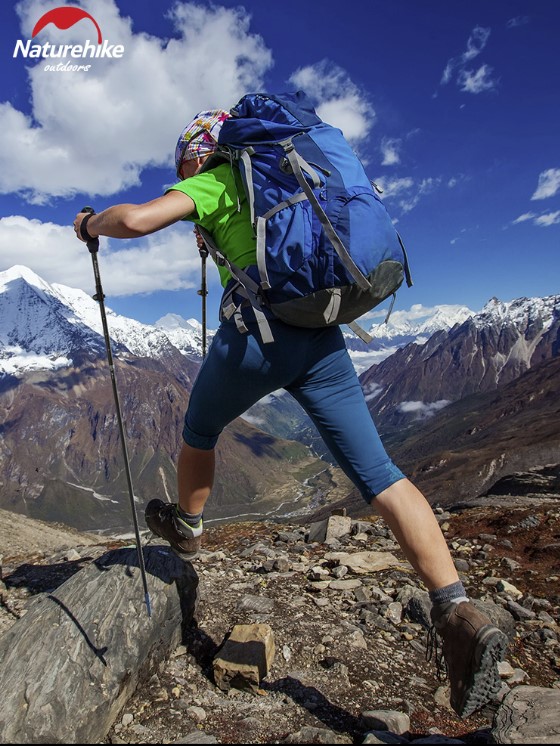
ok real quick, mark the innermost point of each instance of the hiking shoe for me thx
(162, 520)
(472, 647)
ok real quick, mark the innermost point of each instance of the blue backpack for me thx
(327, 250)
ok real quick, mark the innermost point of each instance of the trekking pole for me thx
(93, 247)
(203, 292)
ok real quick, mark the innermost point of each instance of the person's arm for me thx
(131, 221)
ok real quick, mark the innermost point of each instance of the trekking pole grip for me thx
(93, 243)
(93, 247)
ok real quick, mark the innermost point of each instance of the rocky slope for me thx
(61, 456)
(348, 642)
(468, 446)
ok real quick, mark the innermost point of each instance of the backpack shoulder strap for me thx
(248, 289)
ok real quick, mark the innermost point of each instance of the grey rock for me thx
(528, 714)
(461, 565)
(309, 734)
(518, 612)
(511, 564)
(418, 607)
(282, 564)
(345, 585)
(436, 738)
(93, 648)
(244, 659)
(361, 527)
(498, 616)
(384, 736)
(364, 562)
(394, 612)
(388, 720)
(332, 528)
(258, 604)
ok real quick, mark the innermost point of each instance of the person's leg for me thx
(238, 371)
(195, 477)
(411, 519)
(331, 394)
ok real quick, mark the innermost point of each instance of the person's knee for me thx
(381, 483)
(197, 440)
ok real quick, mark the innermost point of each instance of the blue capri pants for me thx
(314, 366)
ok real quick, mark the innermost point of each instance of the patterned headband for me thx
(200, 136)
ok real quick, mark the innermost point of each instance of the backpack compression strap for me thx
(260, 227)
(299, 165)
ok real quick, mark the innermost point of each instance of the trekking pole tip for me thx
(148, 604)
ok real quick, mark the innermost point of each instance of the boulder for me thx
(245, 658)
(72, 661)
(528, 714)
(331, 528)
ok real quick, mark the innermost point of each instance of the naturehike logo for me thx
(64, 18)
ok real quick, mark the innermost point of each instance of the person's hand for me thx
(199, 240)
(77, 224)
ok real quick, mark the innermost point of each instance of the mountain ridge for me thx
(78, 315)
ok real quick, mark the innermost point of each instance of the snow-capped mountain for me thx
(48, 326)
(402, 327)
(488, 350)
(521, 312)
(185, 334)
(420, 323)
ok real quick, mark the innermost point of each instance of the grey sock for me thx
(188, 524)
(192, 519)
(454, 593)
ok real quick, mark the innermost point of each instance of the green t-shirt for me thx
(222, 209)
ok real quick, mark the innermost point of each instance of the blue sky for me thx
(452, 106)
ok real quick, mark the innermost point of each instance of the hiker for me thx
(314, 366)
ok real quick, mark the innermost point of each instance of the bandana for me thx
(200, 137)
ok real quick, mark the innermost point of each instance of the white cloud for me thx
(405, 320)
(549, 184)
(94, 132)
(475, 43)
(523, 218)
(161, 261)
(544, 220)
(372, 391)
(476, 82)
(467, 80)
(252, 420)
(424, 187)
(448, 72)
(393, 187)
(390, 151)
(406, 191)
(550, 218)
(517, 21)
(423, 410)
(350, 111)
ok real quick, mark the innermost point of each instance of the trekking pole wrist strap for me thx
(83, 228)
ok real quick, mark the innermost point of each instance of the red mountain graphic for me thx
(63, 18)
